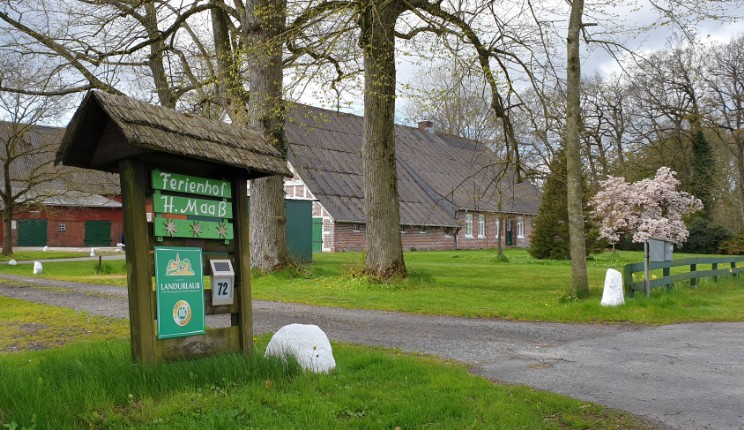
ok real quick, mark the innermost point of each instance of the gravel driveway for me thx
(683, 376)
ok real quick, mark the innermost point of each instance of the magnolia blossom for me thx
(650, 208)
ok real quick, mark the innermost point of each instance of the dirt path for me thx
(685, 376)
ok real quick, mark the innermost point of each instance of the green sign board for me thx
(196, 229)
(179, 290)
(167, 204)
(190, 184)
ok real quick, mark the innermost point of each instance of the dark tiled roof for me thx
(437, 175)
(64, 198)
(35, 149)
(155, 128)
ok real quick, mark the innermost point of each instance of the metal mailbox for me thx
(660, 250)
(223, 282)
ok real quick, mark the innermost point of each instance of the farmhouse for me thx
(56, 205)
(454, 193)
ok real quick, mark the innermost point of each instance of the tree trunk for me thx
(266, 112)
(7, 231)
(381, 203)
(7, 198)
(155, 59)
(579, 277)
(740, 170)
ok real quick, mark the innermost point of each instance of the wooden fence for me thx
(719, 266)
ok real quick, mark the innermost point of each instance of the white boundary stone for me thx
(612, 295)
(307, 343)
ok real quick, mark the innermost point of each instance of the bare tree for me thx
(109, 44)
(28, 176)
(579, 277)
(725, 78)
(454, 97)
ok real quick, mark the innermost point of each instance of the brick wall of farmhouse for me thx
(339, 237)
(353, 237)
(486, 238)
(66, 226)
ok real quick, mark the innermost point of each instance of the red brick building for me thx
(84, 221)
(55, 205)
(454, 193)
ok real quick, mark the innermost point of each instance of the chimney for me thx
(427, 125)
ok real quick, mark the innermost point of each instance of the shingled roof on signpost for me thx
(151, 129)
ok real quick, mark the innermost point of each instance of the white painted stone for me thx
(613, 289)
(38, 268)
(92, 252)
(12, 263)
(307, 343)
(45, 248)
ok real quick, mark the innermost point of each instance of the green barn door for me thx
(97, 233)
(300, 229)
(32, 232)
(317, 234)
(509, 237)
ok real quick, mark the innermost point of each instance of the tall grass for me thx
(95, 386)
(64, 388)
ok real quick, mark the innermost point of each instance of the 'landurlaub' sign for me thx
(179, 289)
(201, 228)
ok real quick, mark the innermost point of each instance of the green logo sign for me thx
(179, 292)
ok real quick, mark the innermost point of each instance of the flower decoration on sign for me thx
(170, 227)
(222, 229)
(196, 228)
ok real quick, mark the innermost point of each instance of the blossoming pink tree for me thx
(647, 208)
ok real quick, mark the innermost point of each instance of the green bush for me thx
(626, 244)
(550, 238)
(706, 236)
(733, 246)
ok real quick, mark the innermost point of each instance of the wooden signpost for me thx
(202, 235)
(193, 173)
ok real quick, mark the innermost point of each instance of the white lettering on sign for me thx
(190, 207)
(185, 184)
(167, 203)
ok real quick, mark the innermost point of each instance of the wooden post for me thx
(715, 267)
(733, 269)
(693, 281)
(243, 257)
(667, 272)
(628, 279)
(141, 316)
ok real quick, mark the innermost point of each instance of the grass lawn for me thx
(25, 325)
(94, 385)
(478, 284)
(467, 283)
(41, 255)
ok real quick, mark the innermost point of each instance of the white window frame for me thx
(468, 226)
(520, 228)
(61, 227)
(326, 232)
(481, 226)
(498, 229)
